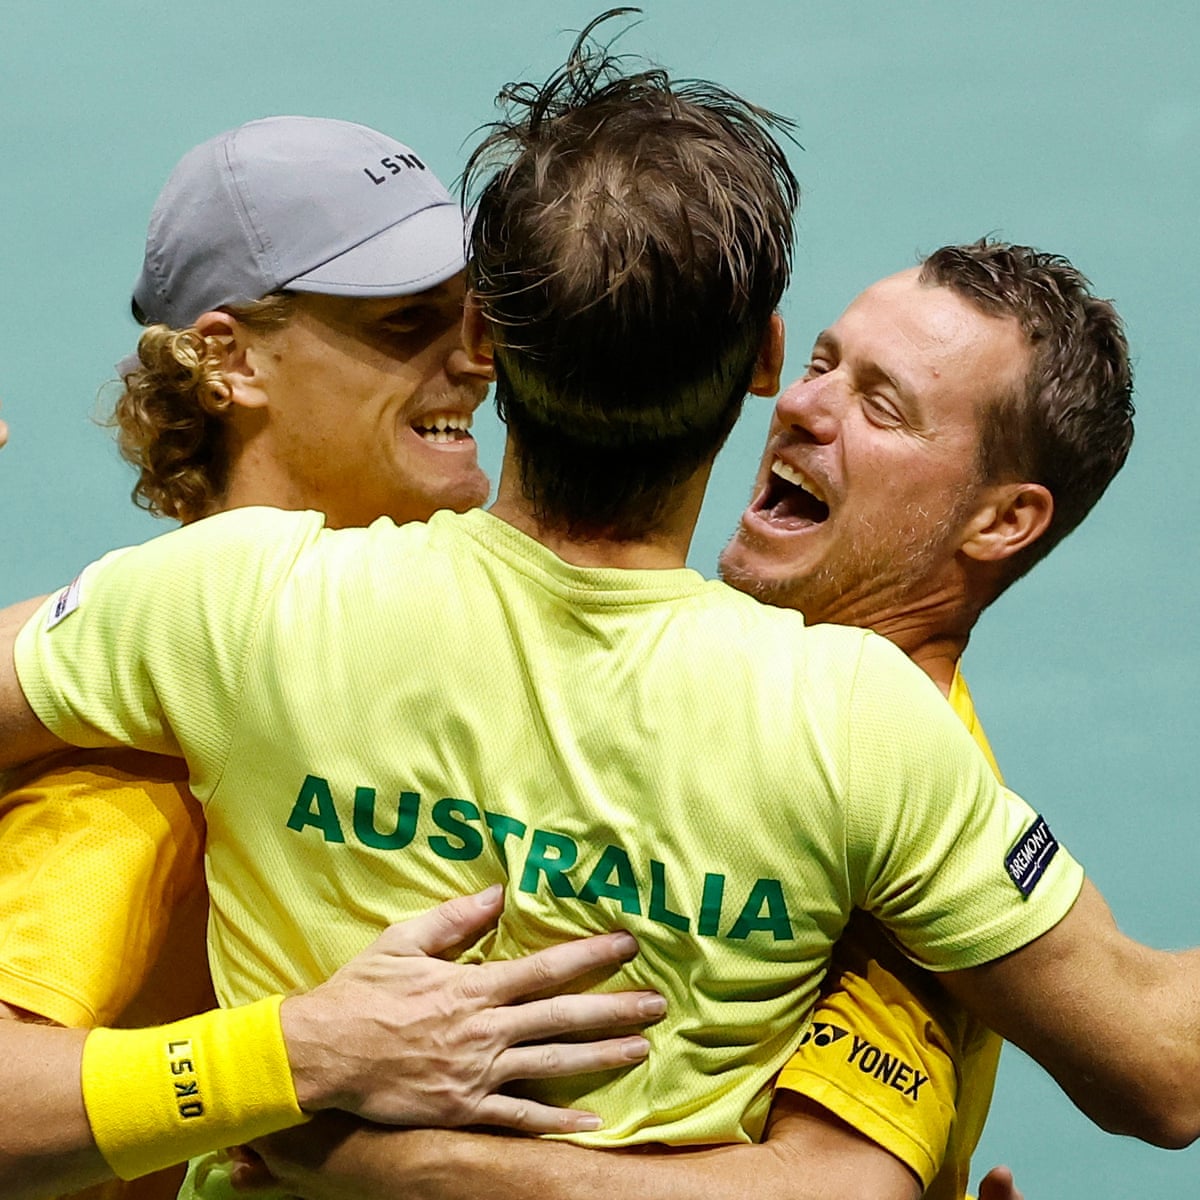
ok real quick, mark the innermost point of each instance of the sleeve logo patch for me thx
(65, 603)
(1027, 861)
(886, 1069)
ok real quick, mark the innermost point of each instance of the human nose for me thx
(808, 408)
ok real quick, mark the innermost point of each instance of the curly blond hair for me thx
(170, 417)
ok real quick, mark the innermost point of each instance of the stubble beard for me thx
(866, 576)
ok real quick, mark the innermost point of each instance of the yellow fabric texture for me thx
(102, 902)
(893, 1055)
(155, 1096)
(377, 719)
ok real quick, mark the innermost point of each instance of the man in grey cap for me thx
(355, 365)
(302, 289)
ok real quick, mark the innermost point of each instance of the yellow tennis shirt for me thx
(378, 719)
(893, 1055)
(102, 902)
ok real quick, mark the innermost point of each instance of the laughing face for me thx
(371, 403)
(870, 473)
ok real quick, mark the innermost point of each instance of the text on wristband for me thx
(187, 1086)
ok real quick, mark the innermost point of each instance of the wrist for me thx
(308, 1046)
(155, 1097)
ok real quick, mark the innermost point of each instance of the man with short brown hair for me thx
(880, 502)
(304, 350)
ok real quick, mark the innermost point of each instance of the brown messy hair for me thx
(170, 418)
(1070, 426)
(633, 236)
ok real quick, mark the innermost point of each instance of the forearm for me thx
(807, 1156)
(77, 1106)
(46, 1144)
(1116, 1023)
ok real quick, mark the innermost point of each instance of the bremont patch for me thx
(1028, 859)
(65, 603)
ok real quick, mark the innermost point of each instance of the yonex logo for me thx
(887, 1069)
(822, 1034)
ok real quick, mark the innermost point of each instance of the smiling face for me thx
(364, 409)
(870, 474)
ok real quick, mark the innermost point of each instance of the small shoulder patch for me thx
(1027, 861)
(65, 603)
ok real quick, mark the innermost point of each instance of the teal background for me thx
(1073, 126)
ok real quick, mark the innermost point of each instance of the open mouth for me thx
(444, 427)
(792, 500)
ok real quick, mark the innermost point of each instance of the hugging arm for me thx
(398, 1035)
(1116, 1023)
(807, 1155)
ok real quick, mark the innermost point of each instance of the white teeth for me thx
(443, 427)
(792, 476)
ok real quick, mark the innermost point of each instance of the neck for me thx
(665, 548)
(255, 475)
(932, 629)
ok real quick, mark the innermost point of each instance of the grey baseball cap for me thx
(306, 204)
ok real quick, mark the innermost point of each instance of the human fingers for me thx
(443, 927)
(556, 1015)
(249, 1173)
(998, 1184)
(552, 1059)
(527, 1116)
(547, 970)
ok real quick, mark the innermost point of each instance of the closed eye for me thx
(881, 411)
(408, 320)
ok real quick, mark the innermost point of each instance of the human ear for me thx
(237, 353)
(476, 336)
(1012, 517)
(768, 367)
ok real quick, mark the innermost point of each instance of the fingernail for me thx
(588, 1124)
(626, 944)
(636, 1047)
(652, 1006)
(490, 897)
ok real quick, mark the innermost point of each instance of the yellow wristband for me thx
(159, 1096)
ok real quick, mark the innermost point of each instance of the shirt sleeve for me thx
(876, 1056)
(97, 852)
(956, 867)
(149, 646)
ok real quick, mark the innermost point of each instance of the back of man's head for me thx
(1071, 425)
(627, 256)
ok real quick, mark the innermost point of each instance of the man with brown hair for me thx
(304, 305)
(954, 425)
(987, 383)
